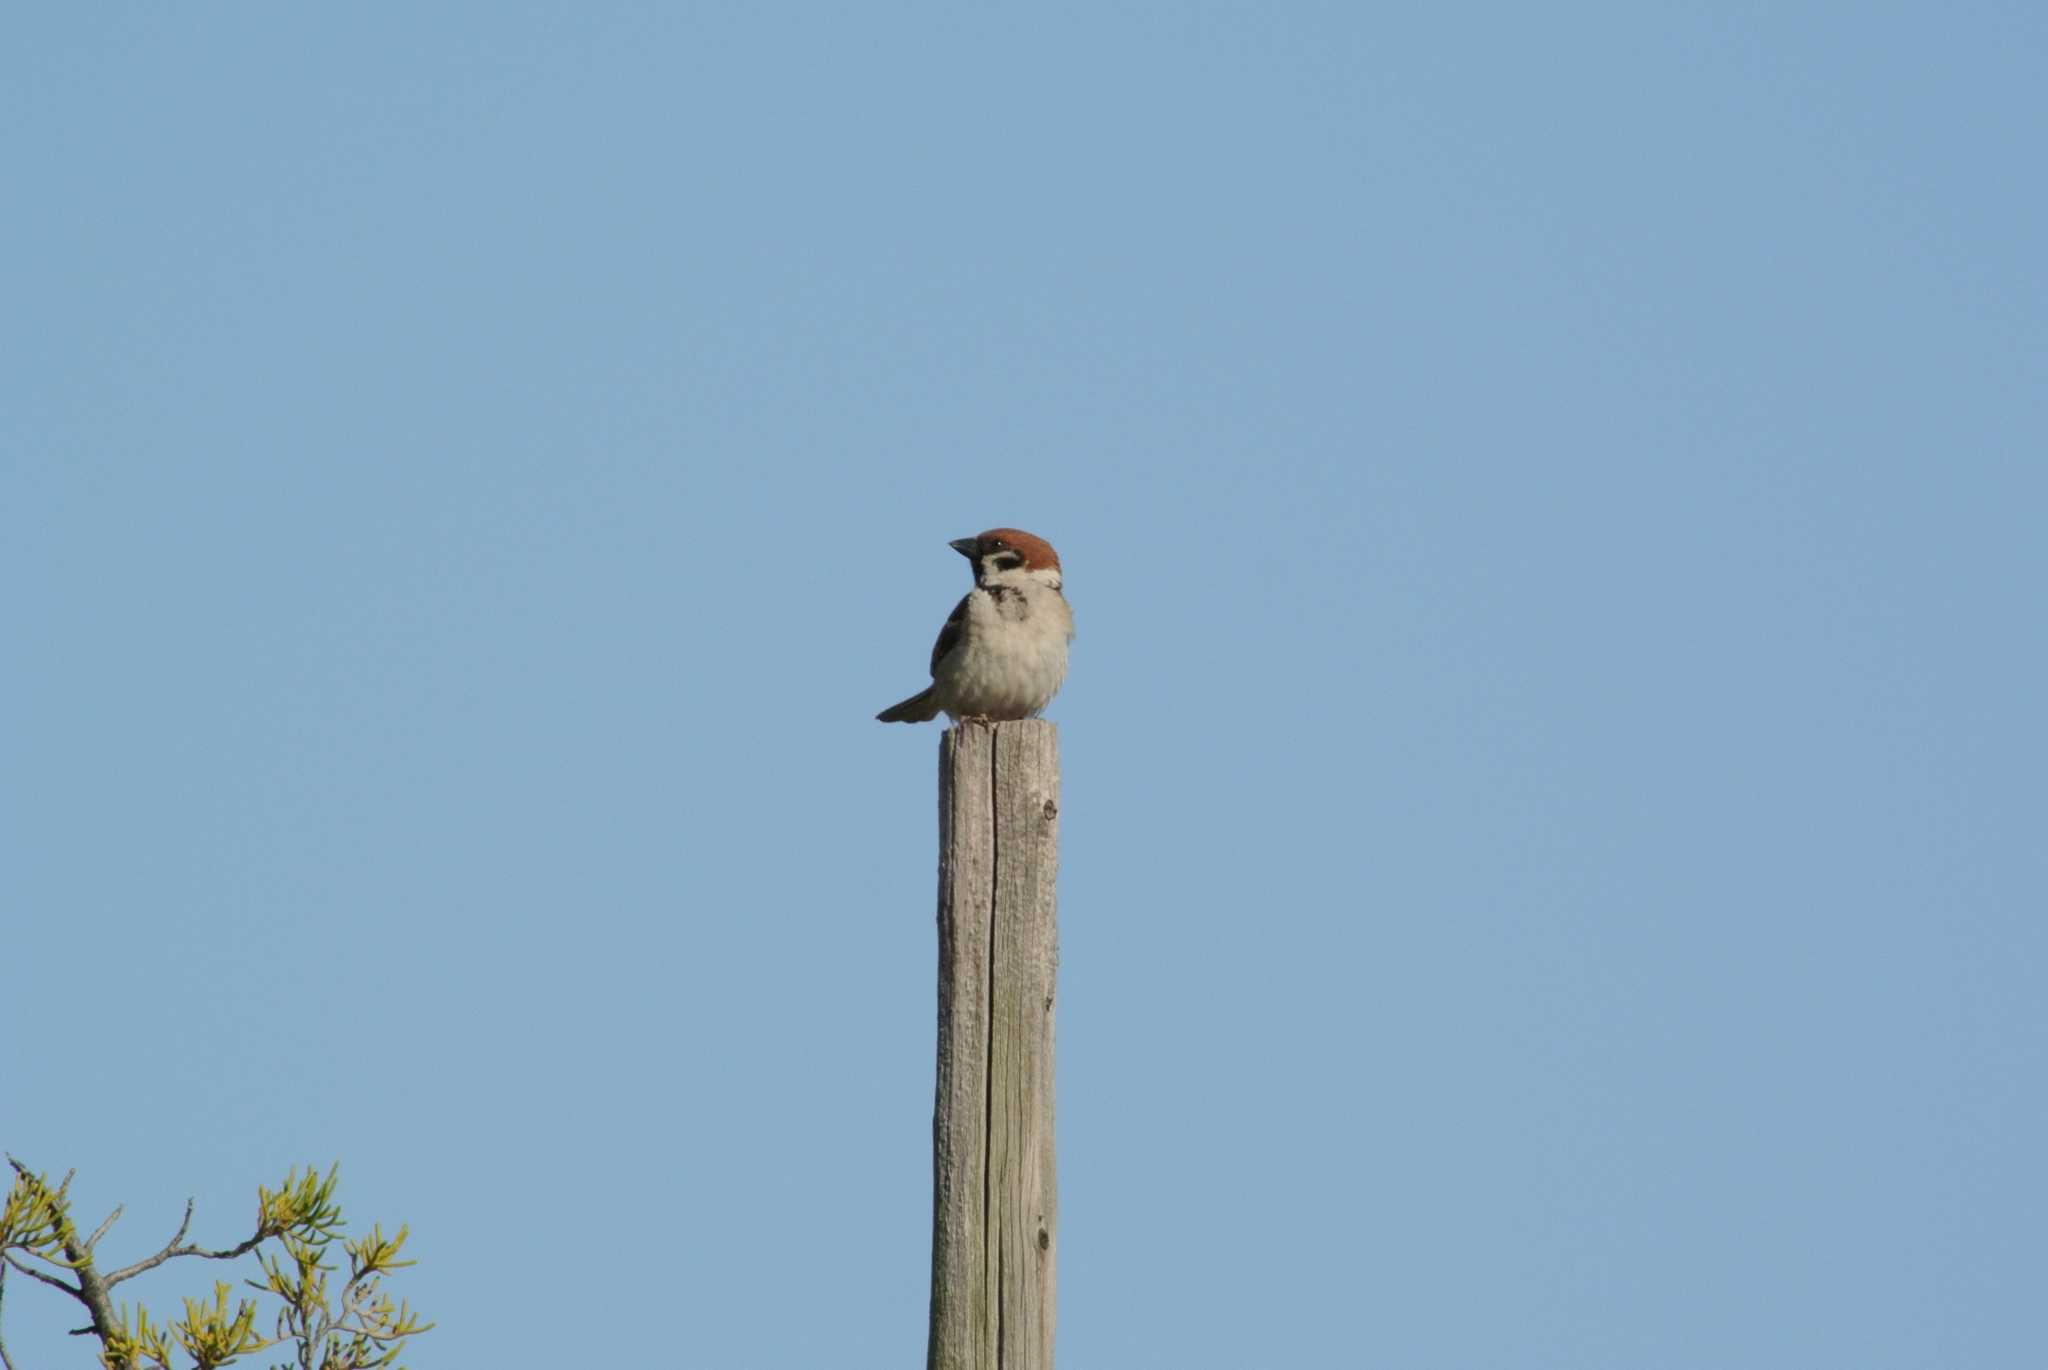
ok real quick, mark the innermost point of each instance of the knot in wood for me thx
(1051, 810)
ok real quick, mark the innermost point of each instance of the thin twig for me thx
(152, 1262)
(101, 1230)
(173, 1248)
(5, 1359)
(232, 1253)
(36, 1274)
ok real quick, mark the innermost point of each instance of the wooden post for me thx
(995, 1230)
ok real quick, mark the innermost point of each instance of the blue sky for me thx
(1552, 867)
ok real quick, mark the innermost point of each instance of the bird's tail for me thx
(921, 707)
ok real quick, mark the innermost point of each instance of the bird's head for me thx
(1010, 556)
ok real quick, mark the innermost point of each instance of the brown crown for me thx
(1037, 552)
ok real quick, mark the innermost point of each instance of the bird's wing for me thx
(949, 636)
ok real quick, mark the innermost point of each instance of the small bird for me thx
(1003, 653)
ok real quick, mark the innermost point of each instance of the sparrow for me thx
(1003, 652)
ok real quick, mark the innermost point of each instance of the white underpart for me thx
(1012, 653)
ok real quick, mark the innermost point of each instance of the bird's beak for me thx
(966, 547)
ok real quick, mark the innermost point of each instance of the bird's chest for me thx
(1013, 650)
(1003, 621)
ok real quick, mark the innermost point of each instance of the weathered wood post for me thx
(995, 1229)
